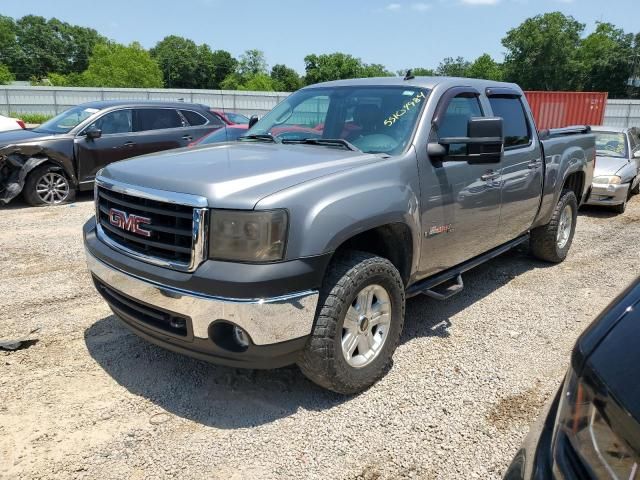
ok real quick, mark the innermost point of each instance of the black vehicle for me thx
(52, 161)
(592, 427)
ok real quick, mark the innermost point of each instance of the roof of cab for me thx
(606, 128)
(419, 82)
(102, 104)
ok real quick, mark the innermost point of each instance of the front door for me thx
(522, 168)
(116, 143)
(460, 201)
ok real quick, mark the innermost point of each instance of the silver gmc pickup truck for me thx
(300, 242)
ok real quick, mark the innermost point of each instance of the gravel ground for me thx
(91, 400)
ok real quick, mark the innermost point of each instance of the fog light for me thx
(241, 337)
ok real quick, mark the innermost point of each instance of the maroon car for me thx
(231, 118)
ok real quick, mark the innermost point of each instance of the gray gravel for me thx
(91, 400)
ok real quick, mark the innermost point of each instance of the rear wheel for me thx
(48, 185)
(551, 242)
(358, 324)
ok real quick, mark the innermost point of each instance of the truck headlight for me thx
(248, 236)
(582, 428)
(608, 180)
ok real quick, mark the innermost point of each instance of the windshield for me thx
(237, 118)
(373, 119)
(223, 135)
(68, 119)
(611, 144)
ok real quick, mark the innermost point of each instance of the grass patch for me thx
(31, 117)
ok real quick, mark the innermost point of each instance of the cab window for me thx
(516, 127)
(455, 121)
(157, 119)
(114, 122)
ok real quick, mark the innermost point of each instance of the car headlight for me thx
(608, 180)
(582, 424)
(248, 236)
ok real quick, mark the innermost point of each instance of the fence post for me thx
(6, 93)
(55, 102)
(627, 123)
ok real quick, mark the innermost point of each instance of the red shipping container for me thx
(562, 109)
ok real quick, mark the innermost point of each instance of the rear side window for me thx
(516, 126)
(194, 118)
(455, 121)
(157, 119)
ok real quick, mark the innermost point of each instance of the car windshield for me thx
(372, 119)
(222, 135)
(238, 118)
(67, 120)
(611, 144)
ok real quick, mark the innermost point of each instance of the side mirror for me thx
(93, 132)
(637, 154)
(253, 120)
(484, 142)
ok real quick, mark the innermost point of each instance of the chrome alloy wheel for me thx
(52, 188)
(366, 326)
(564, 226)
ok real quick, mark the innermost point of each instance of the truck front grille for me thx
(170, 234)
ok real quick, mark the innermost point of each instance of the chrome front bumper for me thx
(608, 194)
(266, 321)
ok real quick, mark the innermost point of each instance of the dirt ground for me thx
(88, 399)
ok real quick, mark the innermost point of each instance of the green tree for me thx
(485, 67)
(35, 46)
(252, 62)
(417, 72)
(214, 66)
(178, 60)
(338, 66)
(453, 67)
(260, 82)
(285, 79)
(374, 70)
(606, 57)
(6, 76)
(541, 52)
(115, 65)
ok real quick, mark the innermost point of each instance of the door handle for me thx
(187, 137)
(128, 144)
(534, 164)
(491, 175)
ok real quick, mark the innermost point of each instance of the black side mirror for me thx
(253, 120)
(93, 132)
(484, 142)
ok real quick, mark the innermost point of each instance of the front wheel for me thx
(551, 242)
(48, 185)
(621, 207)
(358, 325)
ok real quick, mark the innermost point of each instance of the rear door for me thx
(460, 201)
(522, 169)
(198, 125)
(159, 128)
(116, 143)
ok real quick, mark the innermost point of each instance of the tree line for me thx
(545, 52)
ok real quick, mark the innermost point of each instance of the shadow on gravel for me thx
(595, 211)
(18, 203)
(427, 317)
(212, 395)
(232, 398)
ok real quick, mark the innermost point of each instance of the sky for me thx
(396, 33)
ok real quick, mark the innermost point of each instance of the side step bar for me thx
(427, 286)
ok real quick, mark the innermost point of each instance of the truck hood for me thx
(608, 165)
(235, 175)
(20, 136)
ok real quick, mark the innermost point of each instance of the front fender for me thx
(326, 212)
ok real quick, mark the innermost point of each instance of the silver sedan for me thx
(617, 171)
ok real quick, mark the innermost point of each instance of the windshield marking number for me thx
(393, 118)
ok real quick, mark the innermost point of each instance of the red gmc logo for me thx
(129, 222)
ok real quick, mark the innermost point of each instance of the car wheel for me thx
(620, 208)
(551, 242)
(636, 190)
(48, 185)
(358, 324)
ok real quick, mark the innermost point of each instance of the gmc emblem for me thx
(129, 222)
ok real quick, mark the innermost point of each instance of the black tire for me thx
(635, 190)
(323, 361)
(544, 239)
(620, 208)
(31, 195)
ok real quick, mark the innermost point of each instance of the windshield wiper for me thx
(330, 142)
(261, 137)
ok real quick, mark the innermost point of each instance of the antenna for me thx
(409, 75)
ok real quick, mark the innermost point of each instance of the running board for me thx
(428, 284)
(446, 293)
